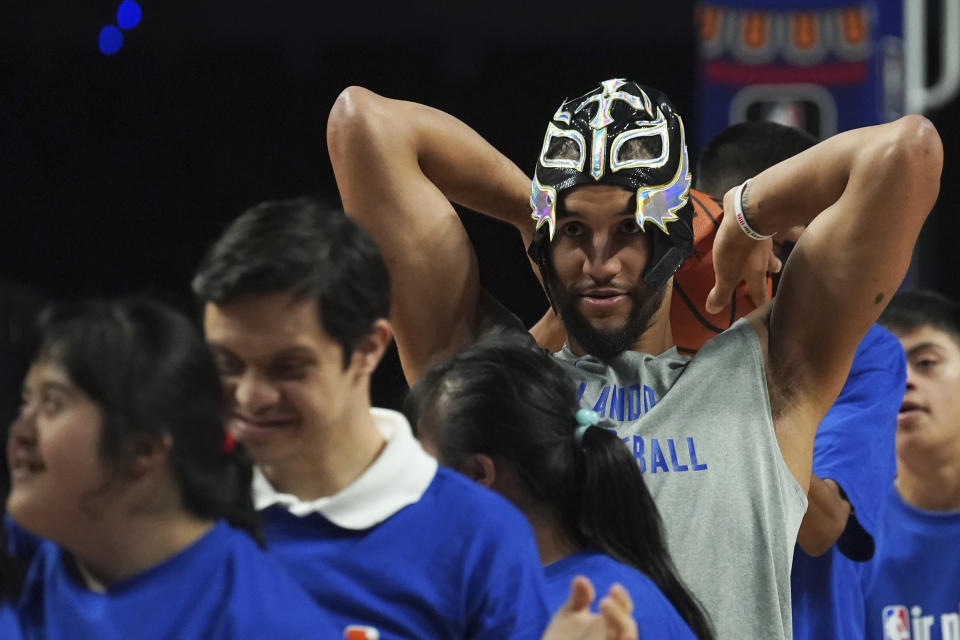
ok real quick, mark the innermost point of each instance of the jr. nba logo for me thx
(896, 623)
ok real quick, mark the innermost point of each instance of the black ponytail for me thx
(617, 515)
(221, 490)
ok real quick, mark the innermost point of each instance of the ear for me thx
(369, 351)
(147, 454)
(480, 468)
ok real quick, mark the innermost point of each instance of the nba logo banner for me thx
(896, 623)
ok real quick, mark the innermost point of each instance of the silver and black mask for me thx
(624, 134)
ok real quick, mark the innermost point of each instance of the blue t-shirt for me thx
(854, 447)
(655, 615)
(911, 588)
(221, 587)
(9, 623)
(461, 562)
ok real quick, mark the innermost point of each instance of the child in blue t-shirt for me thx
(128, 500)
(911, 587)
(505, 414)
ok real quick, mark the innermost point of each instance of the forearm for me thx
(899, 160)
(864, 195)
(826, 517)
(456, 159)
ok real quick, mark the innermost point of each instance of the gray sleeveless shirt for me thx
(702, 433)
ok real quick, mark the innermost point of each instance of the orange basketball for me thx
(689, 321)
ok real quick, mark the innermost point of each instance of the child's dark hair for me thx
(148, 369)
(743, 150)
(913, 310)
(506, 398)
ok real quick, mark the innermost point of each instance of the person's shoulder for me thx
(9, 622)
(464, 495)
(878, 345)
(603, 570)
(20, 542)
(750, 330)
(640, 585)
(652, 609)
(467, 506)
(264, 599)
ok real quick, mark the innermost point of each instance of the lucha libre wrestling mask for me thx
(628, 135)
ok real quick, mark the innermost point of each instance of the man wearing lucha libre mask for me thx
(724, 439)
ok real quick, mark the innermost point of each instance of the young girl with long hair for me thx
(129, 502)
(504, 413)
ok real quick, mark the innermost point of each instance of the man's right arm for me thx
(398, 165)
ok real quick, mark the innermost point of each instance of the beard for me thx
(607, 343)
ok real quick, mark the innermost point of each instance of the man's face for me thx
(283, 375)
(598, 257)
(929, 420)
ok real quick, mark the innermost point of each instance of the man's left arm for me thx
(864, 195)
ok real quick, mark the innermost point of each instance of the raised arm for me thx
(864, 195)
(398, 165)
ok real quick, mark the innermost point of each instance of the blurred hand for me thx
(573, 621)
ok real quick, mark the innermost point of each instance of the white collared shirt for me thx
(398, 477)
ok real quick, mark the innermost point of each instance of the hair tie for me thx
(229, 443)
(586, 419)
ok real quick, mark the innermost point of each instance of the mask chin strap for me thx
(657, 274)
(669, 252)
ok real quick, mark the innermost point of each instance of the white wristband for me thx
(742, 219)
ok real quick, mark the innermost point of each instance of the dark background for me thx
(117, 171)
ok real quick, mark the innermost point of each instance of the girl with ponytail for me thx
(504, 413)
(129, 502)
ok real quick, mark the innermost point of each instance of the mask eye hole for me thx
(563, 149)
(647, 146)
(644, 148)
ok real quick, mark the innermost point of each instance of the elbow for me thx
(815, 544)
(816, 538)
(916, 150)
(921, 143)
(350, 116)
(907, 160)
(826, 517)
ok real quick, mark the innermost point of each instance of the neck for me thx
(932, 487)
(658, 337)
(124, 547)
(551, 543)
(333, 460)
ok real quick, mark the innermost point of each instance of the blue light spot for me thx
(110, 40)
(128, 14)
